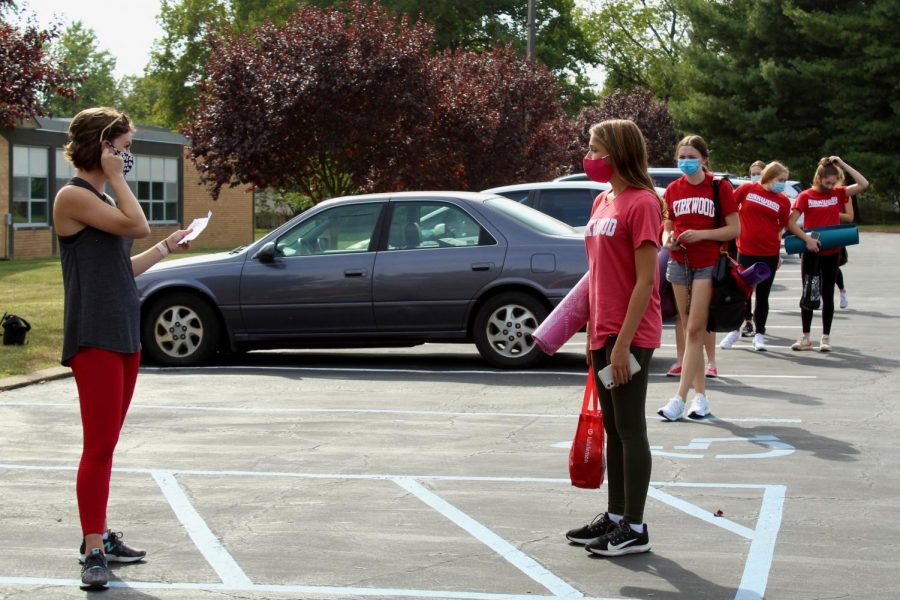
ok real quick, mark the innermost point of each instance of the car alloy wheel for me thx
(180, 329)
(504, 327)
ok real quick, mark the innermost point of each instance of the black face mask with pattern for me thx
(128, 160)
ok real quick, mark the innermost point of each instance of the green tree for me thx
(77, 51)
(796, 80)
(640, 44)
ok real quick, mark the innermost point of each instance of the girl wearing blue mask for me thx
(764, 213)
(756, 170)
(694, 232)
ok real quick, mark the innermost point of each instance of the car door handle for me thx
(354, 273)
(482, 266)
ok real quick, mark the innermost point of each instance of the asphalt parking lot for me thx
(423, 473)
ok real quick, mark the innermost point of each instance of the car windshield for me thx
(530, 217)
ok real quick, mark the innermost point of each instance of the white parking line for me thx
(753, 583)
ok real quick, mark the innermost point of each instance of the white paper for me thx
(197, 226)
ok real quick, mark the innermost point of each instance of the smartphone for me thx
(606, 377)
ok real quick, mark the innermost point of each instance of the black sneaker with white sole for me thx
(117, 550)
(621, 540)
(95, 572)
(601, 525)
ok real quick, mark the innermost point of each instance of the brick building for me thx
(32, 169)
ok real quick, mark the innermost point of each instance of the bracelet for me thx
(163, 249)
(166, 242)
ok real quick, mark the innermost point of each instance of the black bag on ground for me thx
(811, 298)
(14, 330)
(729, 298)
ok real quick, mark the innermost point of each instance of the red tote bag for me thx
(587, 463)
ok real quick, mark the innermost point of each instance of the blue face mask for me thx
(689, 166)
(755, 177)
(778, 187)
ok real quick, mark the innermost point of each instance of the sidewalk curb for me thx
(17, 381)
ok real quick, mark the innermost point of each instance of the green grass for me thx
(32, 289)
(892, 227)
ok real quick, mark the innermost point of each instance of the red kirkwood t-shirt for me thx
(764, 215)
(822, 210)
(692, 207)
(615, 230)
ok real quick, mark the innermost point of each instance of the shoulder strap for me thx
(715, 187)
(79, 182)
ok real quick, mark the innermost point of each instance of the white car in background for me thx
(567, 201)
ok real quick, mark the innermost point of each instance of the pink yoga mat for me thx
(567, 318)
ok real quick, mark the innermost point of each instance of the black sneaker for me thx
(747, 331)
(621, 540)
(117, 550)
(601, 525)
(95, 572)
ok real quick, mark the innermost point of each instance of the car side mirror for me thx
(266, 254)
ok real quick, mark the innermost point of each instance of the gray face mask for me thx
(127, 158)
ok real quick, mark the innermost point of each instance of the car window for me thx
(569, 206)
(338, 230)
(521, 196)
(529, 217)
(663, 180)
(433, 225)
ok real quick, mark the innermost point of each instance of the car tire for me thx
(503, 328)
(179, 329)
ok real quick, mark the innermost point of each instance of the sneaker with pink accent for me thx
(803, 343)
(674, 370)
(711, 370)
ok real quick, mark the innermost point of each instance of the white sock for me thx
(637, 527)
(615, 518)
(106, 535)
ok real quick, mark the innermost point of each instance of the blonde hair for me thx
(87, 132)
(827, 168)
(773, 171)
(759, 164)
(697, 143)
(627, 153)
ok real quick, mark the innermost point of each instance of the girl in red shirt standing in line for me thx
(825, 203)
(622, 240)
(695, 241)
(764, 213)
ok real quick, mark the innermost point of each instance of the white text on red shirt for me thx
(764, 201)
(605, 226)
(822, 203)
(698, 206)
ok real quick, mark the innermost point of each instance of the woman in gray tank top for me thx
(101, 320)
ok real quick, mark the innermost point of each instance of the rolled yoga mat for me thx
(758, 271)
(832, 236)
(567, 318)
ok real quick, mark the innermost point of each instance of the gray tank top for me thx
(102, 309)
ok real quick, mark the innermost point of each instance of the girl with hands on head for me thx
(101, 319)
(826, 203)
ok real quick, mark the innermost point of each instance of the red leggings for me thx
(105, 383)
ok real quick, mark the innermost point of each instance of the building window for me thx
(154, 181)
(64, 170)
(31, 193)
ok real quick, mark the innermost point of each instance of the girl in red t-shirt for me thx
(694, 237)
(825, 203)
(764, 211)
(622, 240)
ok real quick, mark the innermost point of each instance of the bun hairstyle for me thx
(827, 168)
(773, 171)
(697, 143)
(87, 132)
(627, 152)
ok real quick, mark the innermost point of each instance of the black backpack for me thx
(729, 298)
(14, 329)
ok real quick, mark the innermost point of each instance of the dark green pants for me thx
(628, 459)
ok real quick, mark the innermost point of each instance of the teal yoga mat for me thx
(832, 236)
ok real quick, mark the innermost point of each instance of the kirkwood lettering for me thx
(765, 201)
(823, 203)
(606, 226)
(696, 206)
